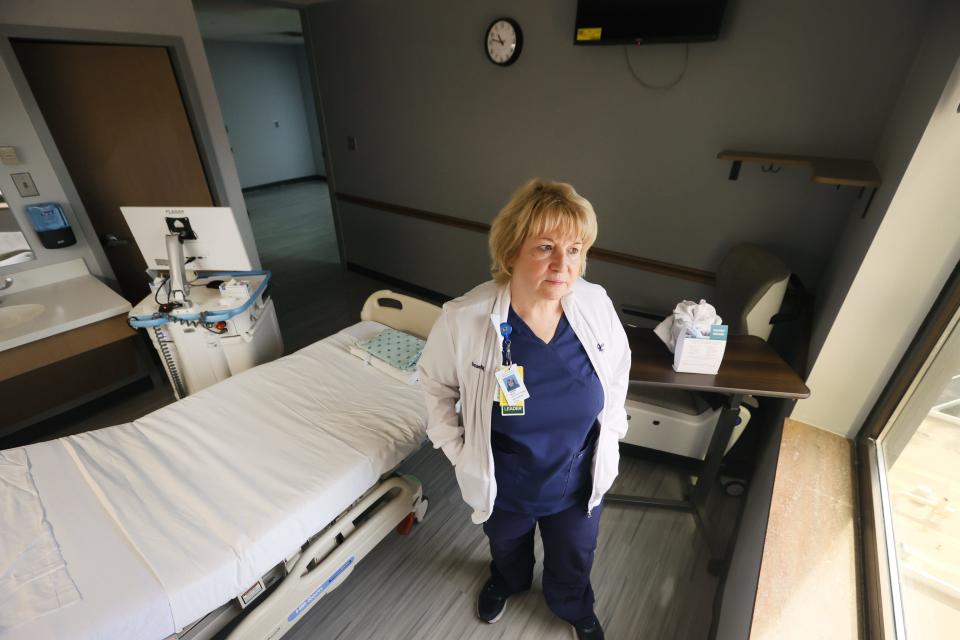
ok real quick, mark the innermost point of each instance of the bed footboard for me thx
(332, 556)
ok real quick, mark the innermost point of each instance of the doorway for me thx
(259, 65)
(117, 116)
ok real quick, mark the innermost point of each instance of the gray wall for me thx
(17, 130)
(911, 253)
(310, 109)
(259, 84)
(928, 74)
(440, 128)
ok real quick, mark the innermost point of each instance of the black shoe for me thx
(589, 630)
(491, 603)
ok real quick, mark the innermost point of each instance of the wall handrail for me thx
(597, 253)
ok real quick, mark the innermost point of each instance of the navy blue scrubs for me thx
(542, 464)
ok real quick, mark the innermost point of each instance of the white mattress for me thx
(163, 520)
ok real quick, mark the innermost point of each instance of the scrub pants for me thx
(569, 541)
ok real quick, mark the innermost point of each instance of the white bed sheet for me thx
(120, 598)
(212, 491)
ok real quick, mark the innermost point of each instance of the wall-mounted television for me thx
(607, 22)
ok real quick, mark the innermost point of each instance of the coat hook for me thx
(770, 168)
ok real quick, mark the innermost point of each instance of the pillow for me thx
(396, 348)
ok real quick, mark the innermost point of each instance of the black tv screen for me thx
(602, 22)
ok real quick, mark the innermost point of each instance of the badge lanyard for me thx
(505, 331)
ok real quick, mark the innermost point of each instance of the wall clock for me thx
(504, 41)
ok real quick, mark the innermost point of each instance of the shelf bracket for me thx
(873, 192)
(735, 170)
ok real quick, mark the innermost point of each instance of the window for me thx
(910, 485)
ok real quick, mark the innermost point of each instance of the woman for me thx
(547, 459)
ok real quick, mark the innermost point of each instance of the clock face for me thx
(504, 41)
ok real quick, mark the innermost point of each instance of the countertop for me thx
(69, 303)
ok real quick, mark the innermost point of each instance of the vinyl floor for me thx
(649, 575)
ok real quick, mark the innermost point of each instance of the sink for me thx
(18, 314)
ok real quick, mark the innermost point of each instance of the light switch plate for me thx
(8, 155)
(25, 185)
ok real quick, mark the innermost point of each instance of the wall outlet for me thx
(352, 143)
(25, 186)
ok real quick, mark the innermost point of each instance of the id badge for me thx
(511, 384)
(507, 409)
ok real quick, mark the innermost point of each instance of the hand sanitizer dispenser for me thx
(51, 225)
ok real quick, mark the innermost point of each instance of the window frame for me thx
(883, 615)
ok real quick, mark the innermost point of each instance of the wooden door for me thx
(118, 119)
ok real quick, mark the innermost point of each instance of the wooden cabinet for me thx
(48, 376)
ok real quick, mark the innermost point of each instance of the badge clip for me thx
(505, 331)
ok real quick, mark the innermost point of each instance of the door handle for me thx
(110, 240)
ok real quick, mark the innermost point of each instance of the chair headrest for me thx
(746, 273)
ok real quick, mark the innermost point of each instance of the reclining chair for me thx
(751, 284)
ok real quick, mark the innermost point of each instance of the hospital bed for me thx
(264, 490)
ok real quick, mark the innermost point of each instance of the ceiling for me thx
(251, 21)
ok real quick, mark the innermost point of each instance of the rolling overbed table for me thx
(750, 367)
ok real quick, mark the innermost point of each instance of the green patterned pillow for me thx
(396, 348)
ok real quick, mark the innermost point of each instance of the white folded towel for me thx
(34, 579)
(699, 316)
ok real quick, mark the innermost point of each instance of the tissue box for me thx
(703, 354)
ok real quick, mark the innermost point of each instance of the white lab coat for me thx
(458, 363)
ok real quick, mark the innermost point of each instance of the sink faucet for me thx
(7, 283)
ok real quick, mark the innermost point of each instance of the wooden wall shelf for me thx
(836, 171)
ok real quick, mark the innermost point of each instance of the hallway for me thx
(314, 295)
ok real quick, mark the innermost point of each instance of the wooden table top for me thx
(749, 366)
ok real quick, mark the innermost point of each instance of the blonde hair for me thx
(539, 207)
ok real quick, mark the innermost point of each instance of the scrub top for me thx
(543, 459)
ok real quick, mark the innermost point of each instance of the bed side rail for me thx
(331, 557)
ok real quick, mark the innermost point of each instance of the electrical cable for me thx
(668, 85)
(202, 322)
(156, 294)
(165, 308)
(171, 363)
